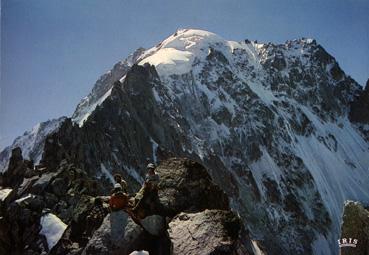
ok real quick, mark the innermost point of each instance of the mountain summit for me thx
(276, 124)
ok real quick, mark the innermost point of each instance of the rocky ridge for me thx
(66, 196)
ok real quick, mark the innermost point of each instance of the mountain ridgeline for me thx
(280, 127)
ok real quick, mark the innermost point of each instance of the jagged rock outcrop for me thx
(18, 169)
(182, 180)
(68, 193)
(102, 87)
(354, 229)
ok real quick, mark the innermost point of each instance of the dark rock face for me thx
(123, 124)
(359, 111)
(182, 180)
(106, 82)
(354, 230)
(17, 170)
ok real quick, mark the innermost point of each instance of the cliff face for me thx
(359, 111)
(274, 124)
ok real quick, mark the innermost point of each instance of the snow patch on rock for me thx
(52, 228)
(4, 193)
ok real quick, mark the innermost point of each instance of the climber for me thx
(118, 200)
(147, 197)
(118, 203)
(152, 178)
(119, 179)
(95, 218)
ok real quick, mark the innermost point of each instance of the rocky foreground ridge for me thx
(355, 229)
(194, 216)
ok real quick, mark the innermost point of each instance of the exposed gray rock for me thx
(108, 239)
(185, 185)
(207, 232)
(354, 229)
(154, 224)
(41, 184)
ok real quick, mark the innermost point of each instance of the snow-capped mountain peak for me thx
(177, 53)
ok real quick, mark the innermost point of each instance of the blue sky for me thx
(52, 51)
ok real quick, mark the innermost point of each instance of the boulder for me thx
(207, 232)
(154, 224)
(109, 238)
(354, 229)
(16, 169)
(185, 185)
(26, 185)
(41, 184)
(23, 216)
(59, 186)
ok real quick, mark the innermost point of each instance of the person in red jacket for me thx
(118, 200)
